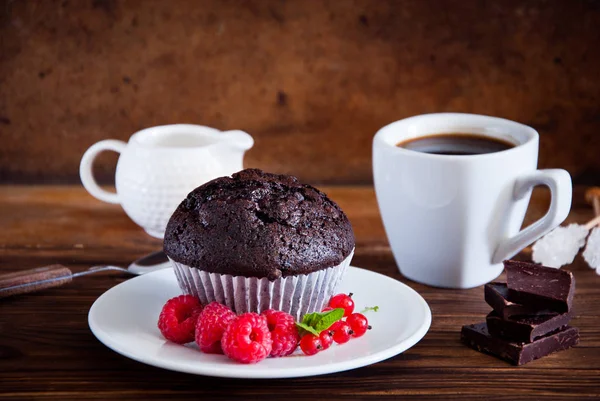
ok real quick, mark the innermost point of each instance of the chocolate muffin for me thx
(256, 241)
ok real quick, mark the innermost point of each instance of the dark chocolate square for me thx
(496, 296)
(540, 286)
(477, 337)
(526, 328)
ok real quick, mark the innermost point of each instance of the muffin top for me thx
(256, 224)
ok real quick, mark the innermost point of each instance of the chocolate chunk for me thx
(526, 328)
(477, 337)
(539, 286)
(539, 302)
(496, 296)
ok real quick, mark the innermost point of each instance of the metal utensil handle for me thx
(32, 280)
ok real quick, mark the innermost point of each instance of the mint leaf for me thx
(328, 318)
(306, 328)
(370, 308)
(319, 321)
(310, 318)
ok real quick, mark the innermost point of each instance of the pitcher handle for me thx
(559, 183)
(85, 169)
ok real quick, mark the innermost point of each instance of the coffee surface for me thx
(456, 144)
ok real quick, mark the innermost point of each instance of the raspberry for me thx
(283, 332)
(210, 327)
(247, 338)
(178, 317)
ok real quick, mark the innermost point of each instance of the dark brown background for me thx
(310, 80)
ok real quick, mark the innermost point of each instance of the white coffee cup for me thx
(452, 219)
(159, 166)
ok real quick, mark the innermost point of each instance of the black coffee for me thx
(456, 144)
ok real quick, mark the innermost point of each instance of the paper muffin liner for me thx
(296, 295)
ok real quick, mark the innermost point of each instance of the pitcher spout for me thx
(237, 139)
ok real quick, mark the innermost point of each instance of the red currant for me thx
(358, 323)
(343, 301)
(341, 332)
(310, 344)
(327, 309)
(326, 337)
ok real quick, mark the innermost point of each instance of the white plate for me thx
(125, 317)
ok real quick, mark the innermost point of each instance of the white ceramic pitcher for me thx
(159, 166)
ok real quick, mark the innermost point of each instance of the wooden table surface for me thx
(48, 352)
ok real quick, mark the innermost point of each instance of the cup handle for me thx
(559, 183)
(85, 169)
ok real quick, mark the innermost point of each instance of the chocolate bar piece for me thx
(526, 328)
(539, 286)
(477, 337)
(496, 296)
